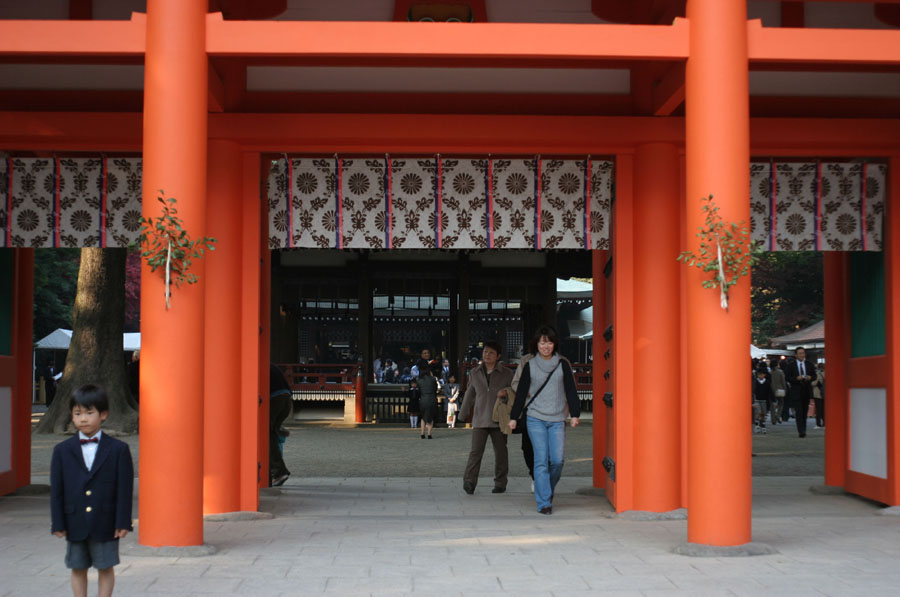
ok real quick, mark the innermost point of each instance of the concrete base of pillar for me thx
(645, 515)
(239, 515)
(167, 551)
(890, 511)
(699, 550)
(826, 490)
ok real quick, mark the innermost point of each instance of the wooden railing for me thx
(320, 382)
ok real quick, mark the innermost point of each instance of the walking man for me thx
(485, 382)
(800, 374)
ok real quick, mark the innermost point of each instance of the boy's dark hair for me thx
(495, 346)
(544, 330)
(88, 396)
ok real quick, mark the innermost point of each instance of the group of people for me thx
(784, 389)
(386, 369)
(535, 402)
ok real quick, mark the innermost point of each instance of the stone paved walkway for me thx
(380, 536)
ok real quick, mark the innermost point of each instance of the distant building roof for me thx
(813, 333)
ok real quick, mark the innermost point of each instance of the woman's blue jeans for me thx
(549, 441)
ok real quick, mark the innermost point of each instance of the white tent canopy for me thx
(60, 339)
(573, 289)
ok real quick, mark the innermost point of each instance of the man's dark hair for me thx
(88, 396)
(544, 330)
(798, 349)
(495, 346)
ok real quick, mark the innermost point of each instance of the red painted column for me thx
(174, 150)
(892, 304)
(598, 365)
(837, 351)
(23, 338)
(718, 156)
(253, 374)
(657, 329)
(222, 381)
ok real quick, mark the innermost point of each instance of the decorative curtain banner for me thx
(424, 202)
(808, 206)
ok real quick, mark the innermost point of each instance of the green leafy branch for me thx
(726, 251)
(166, 244)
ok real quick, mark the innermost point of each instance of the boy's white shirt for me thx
(88, 451)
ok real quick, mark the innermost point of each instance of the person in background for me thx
(134, 375)
(546, 391)
(413, 408)
(763, 396)
(451, 392)
(818, 393)
(280, 405)
(389, 372)
(428, 403)
(779, 389)
(800, 374)
(445, 371)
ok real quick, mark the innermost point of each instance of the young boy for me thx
(91, 482)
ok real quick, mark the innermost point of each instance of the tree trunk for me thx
(96, 353)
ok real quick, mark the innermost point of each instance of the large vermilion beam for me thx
(96, 131)
(780, 44)
(439, 43)
(73, 38)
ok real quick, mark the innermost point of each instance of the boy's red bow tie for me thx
(93, 440)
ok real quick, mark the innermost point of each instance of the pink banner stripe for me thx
(340, 205)
(104, 214)
(773, 214)
(390, 206)
(587, 204)
(862, 206)
(537, 206)
(57, 211)
(490, 206)
(290, 200)
(9, 201)
(439, 184)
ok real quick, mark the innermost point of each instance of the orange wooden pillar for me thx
(657, 327)
(837, 351)
(222, 379)
(174, 151)
(892, 308)
(598, 364)
(717, 139)
(24, 339)
(254, 344)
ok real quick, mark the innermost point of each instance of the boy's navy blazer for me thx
(91, 504)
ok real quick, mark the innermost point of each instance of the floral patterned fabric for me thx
(810, 206)
(396, 202)
(123, 201)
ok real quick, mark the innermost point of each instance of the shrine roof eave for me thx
(396, 43)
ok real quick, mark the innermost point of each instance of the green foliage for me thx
(787, 293)
(55, 285)
(166, 245)
(728, 242)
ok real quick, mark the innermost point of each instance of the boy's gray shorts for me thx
(99, 554)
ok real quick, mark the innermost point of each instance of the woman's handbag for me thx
(780, 393)
(523, 416)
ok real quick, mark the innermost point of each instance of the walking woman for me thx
(546, 390)
(428, 404)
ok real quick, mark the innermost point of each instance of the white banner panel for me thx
(868, 431)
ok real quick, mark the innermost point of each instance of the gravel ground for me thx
(321, 450)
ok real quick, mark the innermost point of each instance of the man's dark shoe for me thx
(469, 488)
(498, 490)
(547, 510)
(802, 435)
(280, 479)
